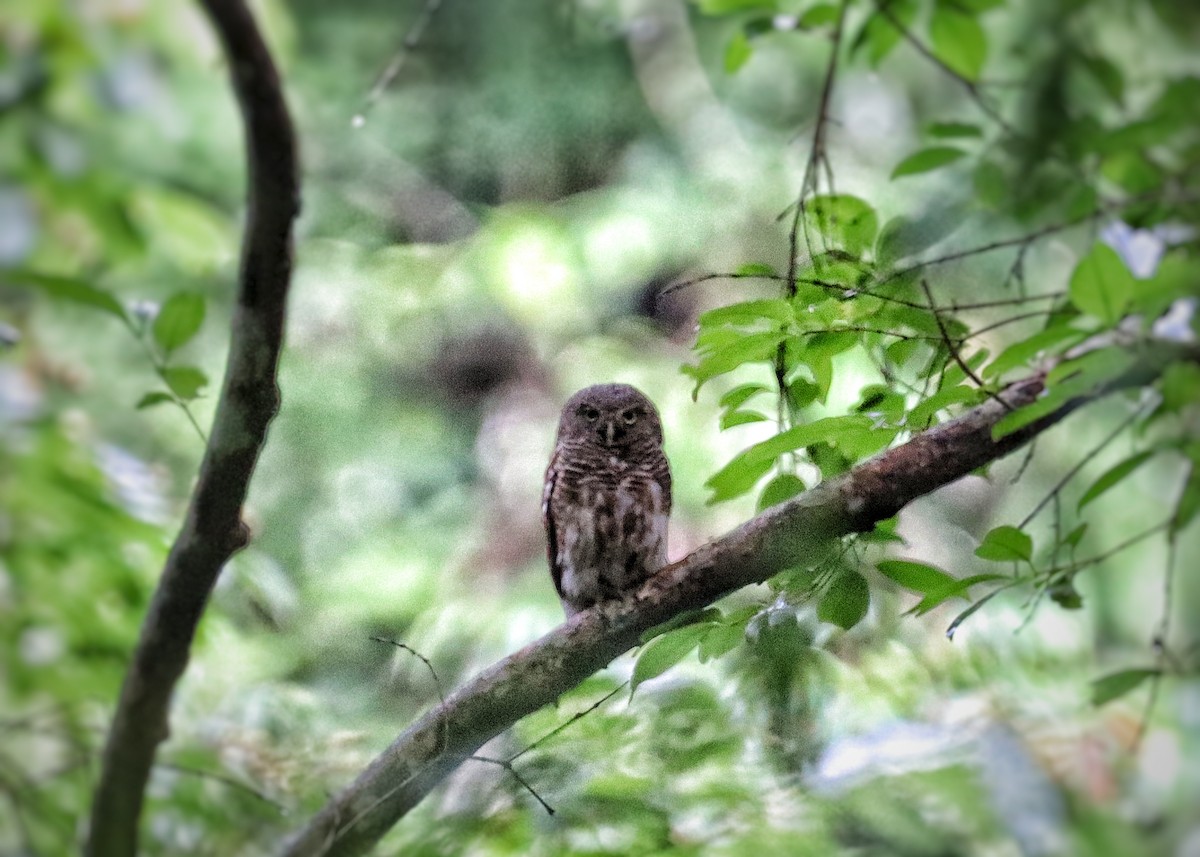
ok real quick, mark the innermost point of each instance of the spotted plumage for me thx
(607, 496)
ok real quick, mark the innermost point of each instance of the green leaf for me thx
(846, 600)
(953, 129)
(184, 381)
(755, 269)
(1019, 354)
(1108, 75)
(880, 35)
(740, 418)
(927, 159)
(155, 398)
(740, 394)
(785, 486)
(958, 40)
(725, 7)
(1101, 285)
(774, 310)
(736, 478)
(663, 652)
(846, 221)
(917, 576)
(1189, 501)
(1097, 367)
(1073, 538)
(737, 52)
(1114, 475)
(921, 415)
(1114, 685)
(740, 350)
(1180, 386)
(955, 589)
(178, 320)
(1006, 544)
(818, 16)
(720, 640)
(70, 289)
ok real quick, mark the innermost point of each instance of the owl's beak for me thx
(609, 432)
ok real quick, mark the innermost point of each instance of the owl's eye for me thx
(630, 417)
(589, 413)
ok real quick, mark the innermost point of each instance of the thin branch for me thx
(212, 530)
(576, 717)
(781, 537)
(507, 765)
(969, 85)
(816, 156)
(1162, 633)
(224, 779)
(437, 682)
(1079, 465)
(950, 346)
(393, 69)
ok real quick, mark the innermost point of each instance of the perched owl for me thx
(607, 496)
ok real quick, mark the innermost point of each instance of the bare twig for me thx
(1079, 465)
(1161, 641)
(224, 779)
(411, 40)
(576, 717)
(507, 765)
(212, 530)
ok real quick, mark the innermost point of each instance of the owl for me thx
(607, 496)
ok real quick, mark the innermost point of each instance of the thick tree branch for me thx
(212, 530)
(779, 538)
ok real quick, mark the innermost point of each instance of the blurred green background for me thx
(489, 238)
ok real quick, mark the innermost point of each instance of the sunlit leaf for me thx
(845, 221)
(958, 40)
(846, 600)
(927, 159)
(1114, 475)
(736, 478)
(739, 418)
(1115, 685)
(777, 310)
(737, 396)
(1006, 544)
(178, 320)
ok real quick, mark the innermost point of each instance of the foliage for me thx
(986, 186)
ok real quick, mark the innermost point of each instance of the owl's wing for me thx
(548, 522)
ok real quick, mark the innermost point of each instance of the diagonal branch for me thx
(212, 530)
(779, 538)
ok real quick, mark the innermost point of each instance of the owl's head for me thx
(611, 416)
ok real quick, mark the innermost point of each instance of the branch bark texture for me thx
(779, 538)
(212, 530)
